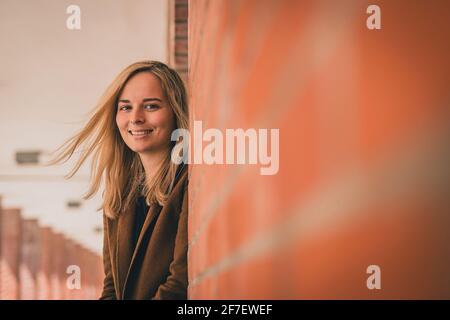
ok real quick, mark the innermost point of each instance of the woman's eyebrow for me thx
(143, 100)
(152, 99)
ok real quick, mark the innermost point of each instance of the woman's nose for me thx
(138, 121)
(137, 117)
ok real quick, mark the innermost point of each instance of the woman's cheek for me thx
(118, 121)
(121, 123)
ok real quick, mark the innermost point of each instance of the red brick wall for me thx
(364, 130)
(178, 36)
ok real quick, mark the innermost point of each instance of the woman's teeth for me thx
(139, 132)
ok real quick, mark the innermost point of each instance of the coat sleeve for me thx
(109, 292)
(175, 286)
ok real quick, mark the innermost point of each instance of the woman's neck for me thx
(151, 161)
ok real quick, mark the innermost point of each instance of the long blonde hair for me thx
(113, 160)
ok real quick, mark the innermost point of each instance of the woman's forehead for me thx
(140, 85)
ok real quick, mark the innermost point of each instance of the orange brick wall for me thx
(364, 130)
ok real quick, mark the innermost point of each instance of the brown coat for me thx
(157, 267)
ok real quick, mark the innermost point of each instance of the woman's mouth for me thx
(140, 133)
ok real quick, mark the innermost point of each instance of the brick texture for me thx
(178, 36)
(364, 129)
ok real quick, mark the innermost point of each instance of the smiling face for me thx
(144, 117)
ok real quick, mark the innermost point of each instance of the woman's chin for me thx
(147, 147)
(143, 149)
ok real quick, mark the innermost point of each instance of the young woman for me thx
(145, 193)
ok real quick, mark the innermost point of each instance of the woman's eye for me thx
(151, 106)
(124, 107)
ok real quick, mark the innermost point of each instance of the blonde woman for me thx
(145, 193)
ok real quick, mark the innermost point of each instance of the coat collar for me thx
(126, 260)
(124, 247)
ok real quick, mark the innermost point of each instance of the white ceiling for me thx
(50, 79)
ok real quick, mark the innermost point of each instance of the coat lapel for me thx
(124, 248)
(126, 226)
(149, 222)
